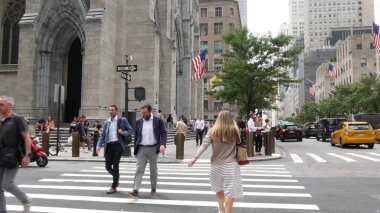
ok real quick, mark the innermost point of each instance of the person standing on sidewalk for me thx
(225, 177)
(199, 128)
(111, 137)
(181, 127)
(13, 130)
(150, 140)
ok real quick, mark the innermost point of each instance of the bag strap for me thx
(119, 123)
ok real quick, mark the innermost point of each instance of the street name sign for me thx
(127, 68)
(126, 76)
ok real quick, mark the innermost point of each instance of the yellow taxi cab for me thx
(377, 132)
(353, 133)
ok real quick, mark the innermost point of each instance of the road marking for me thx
(181, 174)
(172, 165)
(296, 158)
(364, 157)
(191, 170)
(168, 202)
(50, 209)
(375, 154)
(317, 158)
(169, 183)
(342, 157)
(162, 191)
(177, 178)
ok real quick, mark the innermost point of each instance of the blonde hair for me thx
(225, 128)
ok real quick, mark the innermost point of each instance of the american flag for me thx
(376, 37)
(199, 64)
(332, 70)
(312, 89)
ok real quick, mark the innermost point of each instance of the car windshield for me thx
(291, 127)
(334, 122)
(359, 127)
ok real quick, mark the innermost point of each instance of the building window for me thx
(218, 47)
(204, 29)
(218, 64)
(218, 105)
(218, 12)
(205, 84)
(232, 27)
(205, 104)
(218, 28)
(359, 46)
(232, 12)
(203, 45)
(204, 12)
(363, 62)
(15, 10)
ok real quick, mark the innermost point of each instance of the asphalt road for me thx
(311, 177)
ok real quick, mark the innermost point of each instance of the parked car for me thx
(309, 129)
(353, 133)
(290, 131)
(326, 126)
(277, 131)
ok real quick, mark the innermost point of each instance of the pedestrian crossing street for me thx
(180, 189)
(335, 157)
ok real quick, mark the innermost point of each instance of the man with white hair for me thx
(13, 130)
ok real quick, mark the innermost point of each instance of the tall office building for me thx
(322, 15)
(296, 17)
(243, 12)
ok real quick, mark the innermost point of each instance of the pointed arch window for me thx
(10, 43)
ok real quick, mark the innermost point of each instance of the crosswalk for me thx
(299, 158)
(266, 186)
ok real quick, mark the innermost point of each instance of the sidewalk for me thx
(170, 155)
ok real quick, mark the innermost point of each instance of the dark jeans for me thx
(259, 143)
(199, 136)
(113, 155)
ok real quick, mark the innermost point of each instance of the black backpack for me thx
(126, 139)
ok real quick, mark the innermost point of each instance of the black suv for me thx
(309, 129)
(326, 126)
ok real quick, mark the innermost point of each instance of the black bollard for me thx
(250, 144)
(75, 144)
(95, 142)
(45, 142)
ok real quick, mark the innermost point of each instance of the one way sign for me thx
(127, 68)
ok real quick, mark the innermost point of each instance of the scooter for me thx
(37, 154)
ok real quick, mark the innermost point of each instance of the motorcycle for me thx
(37, 155)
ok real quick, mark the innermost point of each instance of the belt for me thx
(149, 145)
(113, 142)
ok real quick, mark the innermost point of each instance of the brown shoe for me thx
(111, 191)
(134, 194)
(153, 192)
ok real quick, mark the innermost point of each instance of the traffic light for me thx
(140, 93)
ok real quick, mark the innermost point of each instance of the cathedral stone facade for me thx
(79, 43)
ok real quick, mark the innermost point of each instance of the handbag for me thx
(241, 153)
(9, 157)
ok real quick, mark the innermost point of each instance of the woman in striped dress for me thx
(225, 175)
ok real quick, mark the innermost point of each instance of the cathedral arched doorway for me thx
(74, 80)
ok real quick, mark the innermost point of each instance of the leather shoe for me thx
(111, 191)
(153, 192)
(134, 194)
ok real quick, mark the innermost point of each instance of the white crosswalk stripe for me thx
(296, 158)
(334, 157)
(180, 185)
(317, 158)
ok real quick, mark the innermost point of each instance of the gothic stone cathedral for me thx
(79, 43)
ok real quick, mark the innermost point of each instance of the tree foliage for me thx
(253, 68)
(360, 97)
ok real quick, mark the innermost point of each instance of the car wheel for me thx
(370, 146)
(317, 138)
(300, 139)
(332, 144)
(282, 139)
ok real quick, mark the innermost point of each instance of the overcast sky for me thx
(267, 15)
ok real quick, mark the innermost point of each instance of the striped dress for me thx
(225, 171)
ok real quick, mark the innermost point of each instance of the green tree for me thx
(253, 68)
